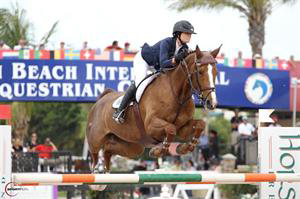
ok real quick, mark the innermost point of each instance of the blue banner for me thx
(253, 88)
(83, 81)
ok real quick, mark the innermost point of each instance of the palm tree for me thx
(255, 11)
(14, 26)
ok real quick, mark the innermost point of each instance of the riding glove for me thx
(180, 56)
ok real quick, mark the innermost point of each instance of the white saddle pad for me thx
(139, 92)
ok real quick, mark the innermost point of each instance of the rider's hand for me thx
(180, 56)
(173, 61)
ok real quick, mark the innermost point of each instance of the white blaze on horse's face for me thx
(212, 85)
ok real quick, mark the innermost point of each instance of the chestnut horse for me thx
(166, 110)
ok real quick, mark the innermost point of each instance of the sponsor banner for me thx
(279, 152)
(61, 80)
(79, 80)
(252, 88)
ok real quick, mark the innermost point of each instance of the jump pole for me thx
(155, 178)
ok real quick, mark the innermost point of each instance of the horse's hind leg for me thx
(192, 129)
(117, 146)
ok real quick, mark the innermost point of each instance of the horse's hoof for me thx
(157, 152)
(191, 148)
(182, 149)
(98, 187)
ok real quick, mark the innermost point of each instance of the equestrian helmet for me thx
(183, 26)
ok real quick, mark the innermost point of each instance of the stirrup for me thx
(119, 117)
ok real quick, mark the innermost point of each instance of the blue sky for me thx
(137, 21)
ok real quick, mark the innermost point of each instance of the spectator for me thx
(245, 131)
(235, 121)
(240, 55)
(32, 143)
(240, 59)
(245, 128)
(142, 166)
(126, 48)
(17, 145)
(255, 133)
(275, 119)
(177, 165)
(42, 47)
(114, 46)
(62, 46)
(85, 46)
(275, 62)
(222, 56)
(292, 62)
(254, 60)
(3, 46)
(214, 145)
(204, 147)
(155, 165)
(190, 166)
(22, 45)
(45, 149)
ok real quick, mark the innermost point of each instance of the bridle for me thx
(189, 76)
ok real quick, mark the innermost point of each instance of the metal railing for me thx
(60, 162)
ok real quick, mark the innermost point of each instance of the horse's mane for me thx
(191, 52)
(206, 58)
(106, 91)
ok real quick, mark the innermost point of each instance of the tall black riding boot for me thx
(118, 116)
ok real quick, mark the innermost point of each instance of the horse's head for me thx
(203, 71)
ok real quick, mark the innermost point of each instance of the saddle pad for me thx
(139, 92)
(143, 86)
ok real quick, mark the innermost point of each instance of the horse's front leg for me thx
(159, 128)
(193, 129)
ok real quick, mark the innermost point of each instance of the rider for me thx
(164, 54)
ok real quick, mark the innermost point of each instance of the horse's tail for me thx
(106, 91)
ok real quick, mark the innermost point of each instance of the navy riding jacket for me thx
(160, 54)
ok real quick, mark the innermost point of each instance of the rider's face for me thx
(185, 37)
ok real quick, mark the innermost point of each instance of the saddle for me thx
(145, 139)
(139, 92)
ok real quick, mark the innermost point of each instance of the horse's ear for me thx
(198, 52)
(215, 52)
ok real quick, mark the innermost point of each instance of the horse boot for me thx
(119, 114)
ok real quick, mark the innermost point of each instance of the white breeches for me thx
(140, 68)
